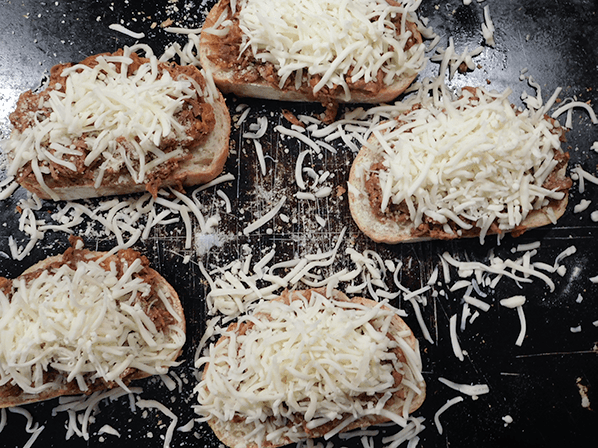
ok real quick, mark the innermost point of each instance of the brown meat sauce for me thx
(196, 116)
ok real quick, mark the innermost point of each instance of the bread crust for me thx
(234, 434)
(205, 162)
(12, 395)
(230, 80)
(391, 231)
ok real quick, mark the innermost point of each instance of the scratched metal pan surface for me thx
(542, 394)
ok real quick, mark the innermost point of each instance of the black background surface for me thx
(536, 384)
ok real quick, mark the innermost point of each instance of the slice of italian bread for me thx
(258, 50)
(306, 365)
(469, 167)
(118, 123)
(85, 321)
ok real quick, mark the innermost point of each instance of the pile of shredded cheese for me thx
(101, 104)
(473, 159)
(86, 324)
(331, 39)
(316, 359)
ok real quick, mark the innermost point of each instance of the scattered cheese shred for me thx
(448, 58)
(143, 404)
(467, 389)
(488, 28)
(107, 429)
(265, 218)
(81, 409)
(454, 338)
(121, 29)
(443, 408)
(582, 206)
(517, 303)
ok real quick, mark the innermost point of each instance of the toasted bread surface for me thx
(13, 395)
(252, 78)
(234, 433)
(201, 143)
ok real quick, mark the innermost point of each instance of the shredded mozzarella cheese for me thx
(98, 311)
(443, 408)
(121, 29)
(144, 404)
(517, 303)
(265, 218)
(100, 106)
(454, 338)
(467, 389)
(314, 357)
(473, 161)
(356, 39)
(488, 28)
(81, 409)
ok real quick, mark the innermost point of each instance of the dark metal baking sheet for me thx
(538, 384)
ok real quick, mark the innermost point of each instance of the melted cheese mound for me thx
(317, 360)
(475, 158)
(103, 105)
(331, 39)
(85, 324)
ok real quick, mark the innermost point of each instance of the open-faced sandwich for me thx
(451, 168)
(305, 365)
(312, 50)
(118, 123)
(85, 321)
